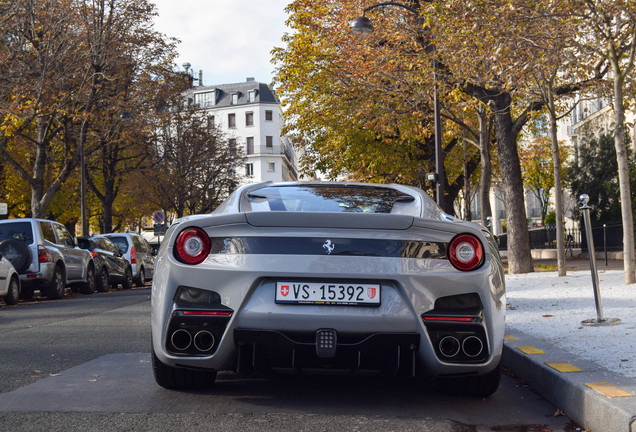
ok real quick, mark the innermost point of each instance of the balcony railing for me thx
(273, 150)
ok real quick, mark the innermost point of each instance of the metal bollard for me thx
(599, 321)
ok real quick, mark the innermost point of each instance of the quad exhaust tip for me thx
(449, 346)
(471, 346)
(204, 341)
(181, 339)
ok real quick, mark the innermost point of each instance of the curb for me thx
(611, 407)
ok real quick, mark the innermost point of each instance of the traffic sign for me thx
(159, 217)
(4, 209)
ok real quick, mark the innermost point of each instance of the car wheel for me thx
(102, 281)
(56, 287)
(141, 279)
(88, 287)
(477, 386)
(177, 378)
(17, 252)
(127, 283)
(13, 294)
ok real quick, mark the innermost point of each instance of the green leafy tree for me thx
(595, 173)
(538, 177)
(363, 108)
(609, 27)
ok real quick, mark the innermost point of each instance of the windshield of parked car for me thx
(120, 242)
(16, 230)
(329, 198)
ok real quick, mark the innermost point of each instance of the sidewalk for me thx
(588, 372)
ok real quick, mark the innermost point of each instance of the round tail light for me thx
(465, 252)
(192, 246)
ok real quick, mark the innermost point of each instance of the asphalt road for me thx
(82, 363)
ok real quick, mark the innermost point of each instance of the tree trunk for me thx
(558, 190)
(623, 179)
(485, 181)
(519, 256)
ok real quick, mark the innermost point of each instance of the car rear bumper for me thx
(42, 277)
(289, 352)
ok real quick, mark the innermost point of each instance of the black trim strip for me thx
(327, 246)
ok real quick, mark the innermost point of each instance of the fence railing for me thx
(606, 237)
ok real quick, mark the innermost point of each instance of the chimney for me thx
(200, 77)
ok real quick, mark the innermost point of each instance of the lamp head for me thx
(361, 26)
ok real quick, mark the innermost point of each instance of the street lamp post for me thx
(362, 26)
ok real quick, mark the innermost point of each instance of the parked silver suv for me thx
(138, 252)
(46, 256)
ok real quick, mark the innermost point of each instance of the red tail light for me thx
(43, 254)
(465, 252)
(133, 255)
(192, 246)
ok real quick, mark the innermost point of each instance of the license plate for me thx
(328, 293)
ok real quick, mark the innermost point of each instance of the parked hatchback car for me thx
(322, 277)
(138, 252)
(9, 282)
(46, 257)
(111, 267)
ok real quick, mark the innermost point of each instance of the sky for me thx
(229, 40)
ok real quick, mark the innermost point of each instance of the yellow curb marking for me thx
(609, 390)
(563, 367)
(510, 338)
(530, 350)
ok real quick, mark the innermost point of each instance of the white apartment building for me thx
(250, 115)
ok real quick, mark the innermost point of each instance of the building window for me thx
(251, 96)
(231, 120)
(205, 99)
(249, 170)
(271, 166)
(249, 119)
(235, 98)
(232, 146)
(250, 145)
(269, 141)
(269, 115)
(211, 124)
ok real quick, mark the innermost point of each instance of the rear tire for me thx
(102, 281)
(88, 287)
(478, 386)
(56, 287)
(141, 279)
(127, 283)
(13, 295)
(172, 378)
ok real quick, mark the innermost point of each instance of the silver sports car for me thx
(320, 277)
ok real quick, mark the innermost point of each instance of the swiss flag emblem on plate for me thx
(284, 290)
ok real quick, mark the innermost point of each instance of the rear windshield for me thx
(120, 242)
(329, 198)
(17, 230)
